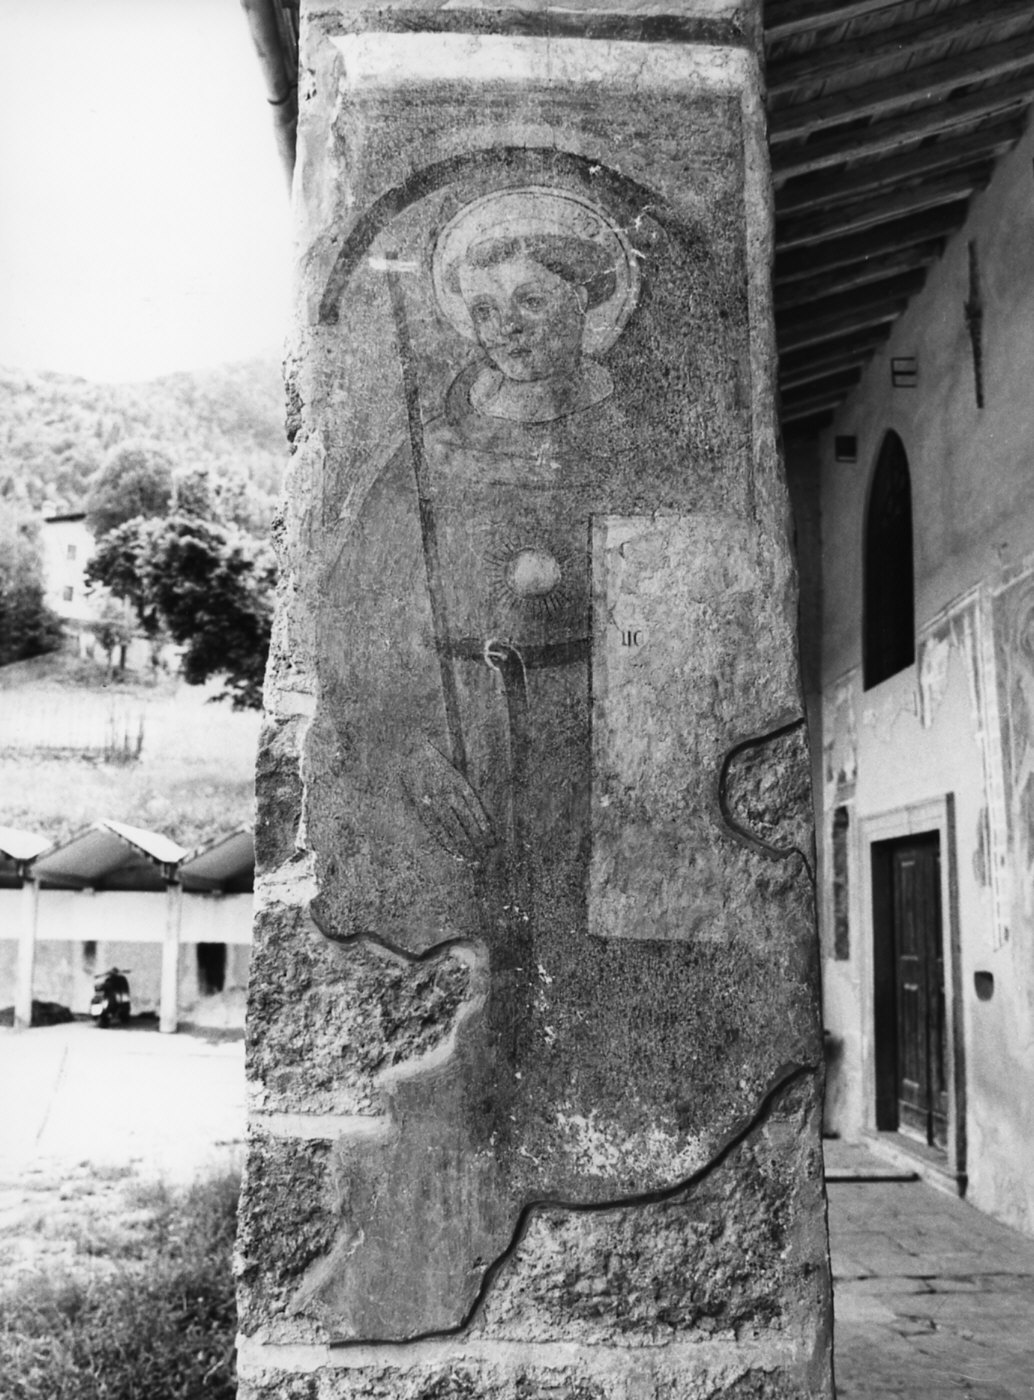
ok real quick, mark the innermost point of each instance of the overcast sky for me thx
(144, 219)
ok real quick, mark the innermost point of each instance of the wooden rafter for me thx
(834, 324)
(840, 382)
(862, 299)
(818, 369)
(859, 274)
(895, 42)
(932, 119)
(880, 209)
(935, 224)
(810, 407)
(784, 18)
(896, 90)
(795, 362)
(904, 285)
(879, 134)
(823, 190)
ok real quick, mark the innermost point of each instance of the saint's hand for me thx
(448, 806)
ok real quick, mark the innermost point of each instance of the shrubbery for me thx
(160, 1327)
(27, 626)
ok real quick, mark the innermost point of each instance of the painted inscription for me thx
(673, 598)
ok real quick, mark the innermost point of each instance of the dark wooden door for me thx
(922, 1090)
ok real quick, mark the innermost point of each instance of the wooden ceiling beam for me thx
(852, 342)
(784, 18)
(825, 366)
(900, 288)
(930, 226)
(840, 383)
(859, 274)
(808, 408)
(820, 191)
(823, 225)
(819, 422)
(932, 119)
(896, 90)
(895, 42)
(833, 325)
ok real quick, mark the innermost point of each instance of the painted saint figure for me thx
(452, 755)
(483, 599)
(536, 277)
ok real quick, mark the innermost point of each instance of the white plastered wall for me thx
(957, 722)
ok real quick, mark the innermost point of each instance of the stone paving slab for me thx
(932, 1298)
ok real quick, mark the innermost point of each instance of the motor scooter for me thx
(110, 1000)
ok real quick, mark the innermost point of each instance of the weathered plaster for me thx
(534, 1052)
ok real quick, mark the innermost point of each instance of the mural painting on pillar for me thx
(540, 769)
(559, 738)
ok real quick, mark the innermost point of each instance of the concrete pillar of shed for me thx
(26, 963)
(534, 1051)
(168, 1003)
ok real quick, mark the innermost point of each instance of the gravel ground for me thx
(96, 1123)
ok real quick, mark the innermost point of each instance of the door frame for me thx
(935, 815)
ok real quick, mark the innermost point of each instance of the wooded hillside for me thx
(56, 430)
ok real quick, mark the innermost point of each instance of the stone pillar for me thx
(534, 1051)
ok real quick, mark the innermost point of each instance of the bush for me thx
(161, 1327)
(27, 626)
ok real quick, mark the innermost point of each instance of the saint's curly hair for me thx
(576, 260)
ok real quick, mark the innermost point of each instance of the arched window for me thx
(888, 621)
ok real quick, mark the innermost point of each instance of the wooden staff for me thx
(428, 532)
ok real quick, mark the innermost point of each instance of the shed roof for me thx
(110, 855)
(227, 864)
(18, 845)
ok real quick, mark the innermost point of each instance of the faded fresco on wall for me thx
(1012, 610)
(545, 433)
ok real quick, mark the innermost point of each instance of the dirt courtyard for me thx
(92, 1119)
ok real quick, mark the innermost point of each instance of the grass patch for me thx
(160, 1327)
(192, 780)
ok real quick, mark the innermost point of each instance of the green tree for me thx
(208, 585)
(27, 625)
(113, 630)
(136, 480)
(193, 494)
(120, 563)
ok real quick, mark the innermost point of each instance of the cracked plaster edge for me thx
(370, 61)
(785, 1080)
(739, 830)
(769, 499)
(734, 1138)
(291, 885)
(318, 1127)
(444, 1050)
(255, 1355)
(329, 1127)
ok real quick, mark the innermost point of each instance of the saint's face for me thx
(528, 320)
